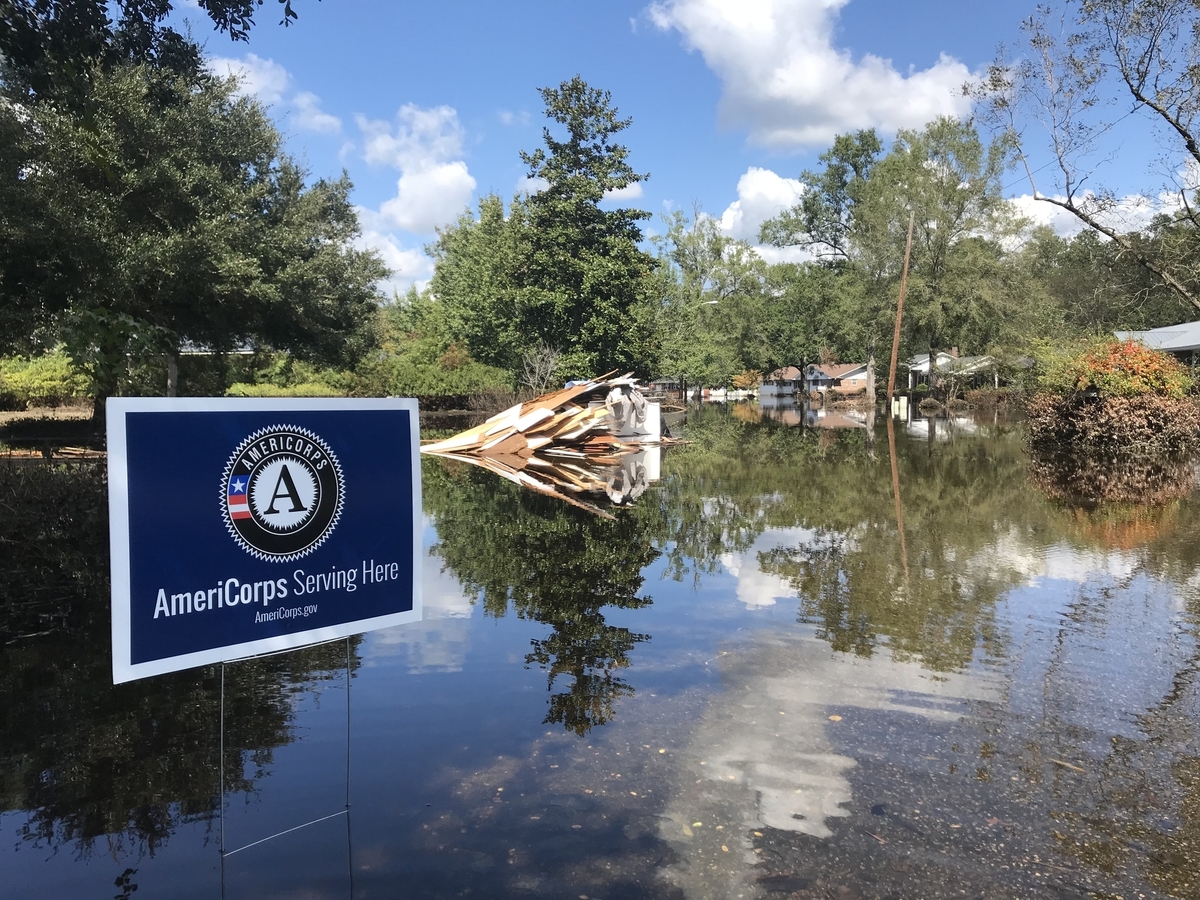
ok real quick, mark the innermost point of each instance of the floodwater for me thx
(753, 684)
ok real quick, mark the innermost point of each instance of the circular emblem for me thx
(282, 493)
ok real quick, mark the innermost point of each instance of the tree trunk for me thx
(172, 375)
(98, 418)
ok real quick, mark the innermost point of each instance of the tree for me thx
(856, 219)
(583, 275)
(52, 46)
(476, 282)
(555, 270)
(823, 220)
(708, 320)
(168, 214)
(1137, 57)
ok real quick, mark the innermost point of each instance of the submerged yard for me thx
(781, 673)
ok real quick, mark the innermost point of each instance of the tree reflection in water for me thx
(551, 563)
(129, 763)
(85, 759)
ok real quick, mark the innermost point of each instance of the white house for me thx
(843, 379)
(977, 368)
(785, 382)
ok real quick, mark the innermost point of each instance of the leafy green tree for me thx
(50, 47)
(417, 355)
(557, 271)
(855, 218)
(949, 181)
(823, 220)
(476, 282)
(584, 276)
(709, 318)
(169, 214)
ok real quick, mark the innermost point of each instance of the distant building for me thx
(666, 387)
(785, 382)
(1181, 341)
(188, 348)
(844, 379)
(976, 370)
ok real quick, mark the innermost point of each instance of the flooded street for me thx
(754, 683)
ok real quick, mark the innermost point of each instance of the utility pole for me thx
(899, 314)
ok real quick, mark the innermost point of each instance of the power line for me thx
(1108, 127)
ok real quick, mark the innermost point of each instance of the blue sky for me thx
(427, 105)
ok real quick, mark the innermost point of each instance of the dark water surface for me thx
(752, 684)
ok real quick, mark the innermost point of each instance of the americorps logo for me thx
(282, 493)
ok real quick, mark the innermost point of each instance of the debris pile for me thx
(592, 437)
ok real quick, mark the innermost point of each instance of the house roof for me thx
(1172, 338)
(960, 365)
(787, 373)
(839, 371)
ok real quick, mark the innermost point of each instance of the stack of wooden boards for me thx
(563, 444)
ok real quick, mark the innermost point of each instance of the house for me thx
(785, 382)
(667, 388)
(1181, 341)
(975, 370)
(843, 379)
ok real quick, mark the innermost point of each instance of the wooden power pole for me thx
(899, 314)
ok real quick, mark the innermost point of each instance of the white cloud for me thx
(425, 145)
(761, 195)
(786, 81)
(409, 266)
(422, 137)
(310, 117)
(429, 197)
(629, 192)
(528, 185)
(269, 82)
(508, 117)
(263, 78)
(1133, 212)
(775, 255)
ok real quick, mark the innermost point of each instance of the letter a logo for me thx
(283, 493)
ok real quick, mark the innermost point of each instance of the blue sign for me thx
(241, 527)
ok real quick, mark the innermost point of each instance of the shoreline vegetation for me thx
(109, 282)
(1114, 399)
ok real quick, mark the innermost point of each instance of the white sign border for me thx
(116, 408)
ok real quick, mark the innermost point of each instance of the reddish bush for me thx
(1113, 368)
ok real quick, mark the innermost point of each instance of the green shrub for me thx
(48, 380)
(309, 389)
(424, 366)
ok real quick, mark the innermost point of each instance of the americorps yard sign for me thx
(241, 527)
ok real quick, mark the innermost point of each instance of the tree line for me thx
(148, 210)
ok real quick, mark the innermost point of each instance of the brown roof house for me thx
(785, 382)
(844, 379)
